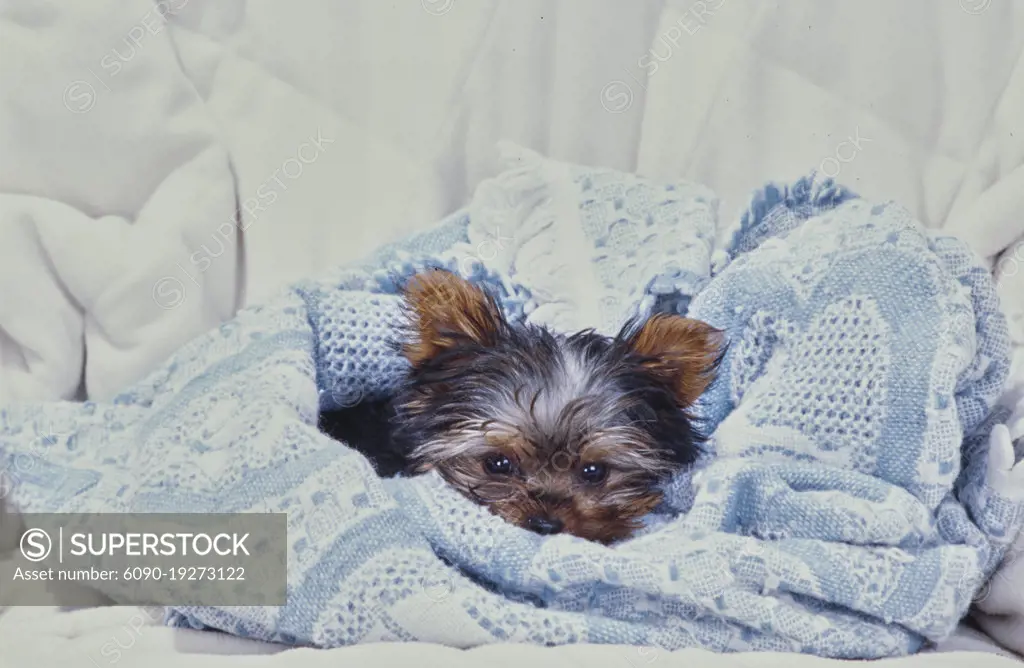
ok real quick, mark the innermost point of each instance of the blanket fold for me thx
(843, 508)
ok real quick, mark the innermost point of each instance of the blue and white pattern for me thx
(843, 511)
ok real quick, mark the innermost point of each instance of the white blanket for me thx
(165, 162)
(133, 637)
(141, 132)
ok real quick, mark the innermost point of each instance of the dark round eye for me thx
(498, 465)
(593, 473)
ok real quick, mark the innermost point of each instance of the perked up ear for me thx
(446, 311)
(681, 351)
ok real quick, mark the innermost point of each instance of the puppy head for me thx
(553, 433)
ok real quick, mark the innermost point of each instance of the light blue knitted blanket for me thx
(845, 510)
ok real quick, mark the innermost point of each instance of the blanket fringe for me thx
(777, 208)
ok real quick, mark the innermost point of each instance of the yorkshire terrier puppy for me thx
(553, 433)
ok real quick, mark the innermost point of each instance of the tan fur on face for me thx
(547, 484)
(445, 310)
(585, 514)
(681, 350)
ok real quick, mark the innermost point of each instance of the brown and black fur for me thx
(553, 433)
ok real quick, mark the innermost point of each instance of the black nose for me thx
(544, 525)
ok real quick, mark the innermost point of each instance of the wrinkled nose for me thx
(544, 525)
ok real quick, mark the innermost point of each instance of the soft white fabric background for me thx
(133, 131)
(134, 136)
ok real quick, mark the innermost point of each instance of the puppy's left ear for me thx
(681, 351)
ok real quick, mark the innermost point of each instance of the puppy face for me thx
(554, 433)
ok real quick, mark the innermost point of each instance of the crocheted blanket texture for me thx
(842, 508)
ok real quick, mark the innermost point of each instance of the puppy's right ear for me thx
(448, 311)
